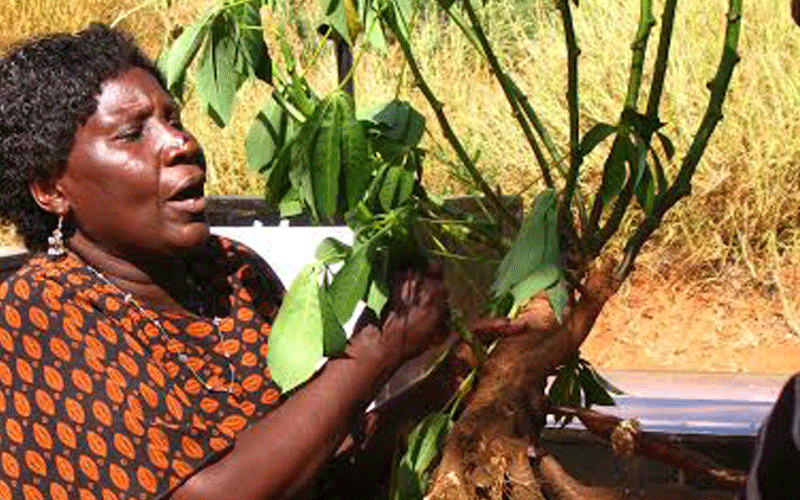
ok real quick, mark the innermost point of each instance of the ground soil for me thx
(729, 322)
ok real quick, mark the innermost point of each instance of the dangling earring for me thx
(56, 240)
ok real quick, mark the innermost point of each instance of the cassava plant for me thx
(556, 273)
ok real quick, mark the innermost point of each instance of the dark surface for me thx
(592, 461)
(10, 263)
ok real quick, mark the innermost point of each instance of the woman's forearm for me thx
(281, 453)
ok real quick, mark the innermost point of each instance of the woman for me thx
(133, 344)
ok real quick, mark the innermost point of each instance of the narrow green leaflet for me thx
(334, 338)
(406, 185)
(300, 170)
(543, 277)
(593, 392)
(357, 164)
(529, 247)
(595, 136)
(602, 381)
(402, 10)
(424, 443)
(646, 191)
(251, 43)
(342, 16)
(331, 250)
(376, 297)
(387, 194)
(566, 389)
(290, 205)
(614, 171)
(350, 283)
(326, 158)
(216, 76)
(271, 130)
(182, 51)
(401, 123)
(296, 345)
(669, 148)
(558, 297)
(373, 32)
(279, 187)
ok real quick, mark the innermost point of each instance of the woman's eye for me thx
(130, 134)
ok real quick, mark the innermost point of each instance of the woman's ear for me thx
(48, 194)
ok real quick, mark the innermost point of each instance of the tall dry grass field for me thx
(744, 207)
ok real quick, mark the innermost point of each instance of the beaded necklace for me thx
(182, 357)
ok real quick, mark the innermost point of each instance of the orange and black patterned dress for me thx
(95, 401)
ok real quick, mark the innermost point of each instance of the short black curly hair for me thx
(48, 87)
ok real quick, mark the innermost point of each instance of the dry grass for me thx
(747, 186)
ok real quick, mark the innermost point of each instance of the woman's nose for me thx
(181, 147)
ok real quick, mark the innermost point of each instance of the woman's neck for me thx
(159, 280)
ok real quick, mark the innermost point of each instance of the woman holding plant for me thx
(133, 360)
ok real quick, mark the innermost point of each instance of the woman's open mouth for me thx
(191, 197)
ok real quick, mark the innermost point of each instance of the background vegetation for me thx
(745, 209)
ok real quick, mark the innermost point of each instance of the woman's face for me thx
(134, 178)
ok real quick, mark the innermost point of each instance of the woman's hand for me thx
(417, 315)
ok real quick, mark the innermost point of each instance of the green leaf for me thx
(407, 483)
(645, 190)
(558, 297)
(331, 250)
(603, 382)
(661, 179)
(251, 41)
(562, 387)
(342, 17)
(425, 440)
(327, 155)
(403, 10)
(401, 123)
(216, 76)
(408, 179)
(334, 338)
(300, 172)
(290, 205)
(614, 172)
(373, 34)
(376, 297)
(271, 130)
(278, 178)
(542, 278)
(296, 345)
(536, 243)
(327, 164)
(669, 148)
(595, 136)
(357, 164)
(387, 191)
(594, 393)
(350, 283)
(424, 444)
(182, 51)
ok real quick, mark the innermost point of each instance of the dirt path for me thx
(725, 324)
